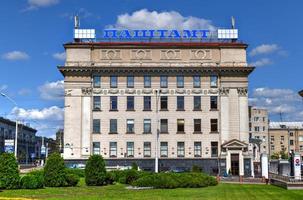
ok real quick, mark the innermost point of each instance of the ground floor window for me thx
(130, 149)
(197, 149)
(180, 149)
(214, 149)
(147, 149)
(113, 149)
(163, 149)
(96, 148)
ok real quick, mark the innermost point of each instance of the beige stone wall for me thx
(232, 128)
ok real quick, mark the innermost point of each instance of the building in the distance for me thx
(26, 139)
(258, 131)
(60, 140)
(119, 95)
(285, 137)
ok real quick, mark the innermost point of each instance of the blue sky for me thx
(33, 31)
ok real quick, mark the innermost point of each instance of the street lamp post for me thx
(16, 133)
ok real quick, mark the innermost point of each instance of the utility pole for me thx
(16, 132)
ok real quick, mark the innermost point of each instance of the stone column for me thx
(224, 109)
(228, 161)
(243, 112)
(86, 122)
(241, 165)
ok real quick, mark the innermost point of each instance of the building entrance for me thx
(234, 164)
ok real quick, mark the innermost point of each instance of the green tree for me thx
(54, 171)
(9, 172)
(95, 172)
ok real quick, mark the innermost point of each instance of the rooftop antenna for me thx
(76, 22)
(233, 22)
(281, 119)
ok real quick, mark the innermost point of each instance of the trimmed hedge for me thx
(54, 171)
(31, 181)
(9, 172)
(175, 180)
(72, 180)
(78, 172)
(125, 176)
(95, 172)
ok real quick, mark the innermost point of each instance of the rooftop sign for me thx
(196, 34)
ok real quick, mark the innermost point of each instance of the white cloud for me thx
(51, 113)
(24, 92)
(60, 56)
(276, 101)
(82, 13)
(160, 20)
(52, 90)
(261, 62)
(3, 87)
(46, 120)
(35, 4)
(15, 55)
(264, 49)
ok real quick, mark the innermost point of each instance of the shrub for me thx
(134, 166)
(174, 180)
(196, 168)
(54, 171)
(72, 179)
(78, 172)
(95, 173)
(9, 172)
(31, 181)
(39, 175)
(126, 176)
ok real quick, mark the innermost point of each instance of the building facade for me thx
(258, 131)
(26, 139)
(285, 137)
(185, 103)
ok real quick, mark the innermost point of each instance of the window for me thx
(272, 147)
(96, 125)
(257, 128)
(147, 103)
(130, 81)
(97, 103)
(291, 133)
(197, 102)
(214, 149)
(197, 149)
(130, 149)
(213, 125)
(256, 119)
(113, 103)
(113, 81)
(163, 81)
(180, 103)
(96, 148)
(130, 126)
(196, 81)
(180, 125)
(214, 102)
(291, 142)
(263, 128)
(300, 138)
(282, 138)
(146, 149)
(263, 119)
(180, 149)
(197, 125)
(113, 126)
(147, 81)
(113, 149)
(163, 149)
(272, 138)
(130, 103)
(163, 102)
(163, 126)
(213, 81)
(147, 126)
(96, 81)
(180, 81)
(301, 147)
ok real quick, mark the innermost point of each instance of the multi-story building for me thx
(286, 137)
(258, 131)
(60, 140)
(26, 139)
(182, 102)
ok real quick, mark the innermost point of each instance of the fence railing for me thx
(284, 178)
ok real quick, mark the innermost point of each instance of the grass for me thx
(222, 191)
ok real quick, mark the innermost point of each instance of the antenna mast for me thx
(76, 22)
(233, 22)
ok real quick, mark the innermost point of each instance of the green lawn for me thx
(222, 191)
